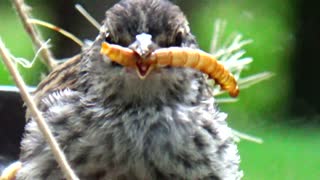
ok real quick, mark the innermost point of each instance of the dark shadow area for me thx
(70, 19)
(12, 124)
(305, 71)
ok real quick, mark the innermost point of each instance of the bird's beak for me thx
(143, 46)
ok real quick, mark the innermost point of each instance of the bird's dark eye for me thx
(108, 38)
(178, 39)
(114, 64)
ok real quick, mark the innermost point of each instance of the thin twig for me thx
(46, 55)
(247, 137)
(56, 28)
(254, 79)
(44, 128)
(88, 16)
(226, 100)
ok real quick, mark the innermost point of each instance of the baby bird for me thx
(114, 125)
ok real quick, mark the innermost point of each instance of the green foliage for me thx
(286, 154)
(267, 23)
(19, 44)
(16, 40)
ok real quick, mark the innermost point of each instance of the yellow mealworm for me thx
(177, 57)
(121, 55)
(200, 60)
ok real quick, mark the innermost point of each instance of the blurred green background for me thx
(276, 110)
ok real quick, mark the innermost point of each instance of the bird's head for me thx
(144, 26)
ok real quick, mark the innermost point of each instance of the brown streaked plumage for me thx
(114, 126)
(60, 78)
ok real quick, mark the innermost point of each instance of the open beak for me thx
(143, 46)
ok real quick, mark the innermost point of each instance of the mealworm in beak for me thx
(200, 60)
(177, 57)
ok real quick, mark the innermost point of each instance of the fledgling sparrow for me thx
(111, 124)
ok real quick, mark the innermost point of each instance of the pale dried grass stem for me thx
(22, 10)
(44, 128)
(88, 16)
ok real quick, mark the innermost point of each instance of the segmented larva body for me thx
(177, 57)
(200, 60)
(121, 55)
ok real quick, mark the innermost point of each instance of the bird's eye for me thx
(178, 39)
(108, 38)
(114, 64)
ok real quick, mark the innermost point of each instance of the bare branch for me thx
(247, 137)
(44, 128)
(88, 16)
(58, 29)
(22, 10)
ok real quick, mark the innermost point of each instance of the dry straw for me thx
(44, 128)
